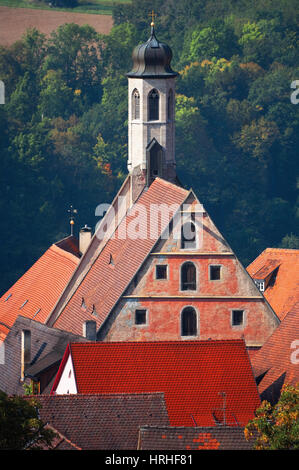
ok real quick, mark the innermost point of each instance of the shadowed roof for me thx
(191, 374)
(193, 438)
(277, 362)
(95, 422)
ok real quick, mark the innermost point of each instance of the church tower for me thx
(151, 120)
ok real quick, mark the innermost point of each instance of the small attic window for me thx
(260, 284)
(215, 272)
(94, 312)
(140, 317)
(161, 271)
(23, 304)
(83, 304)
(37, 311)
(237, 317)
(8, 297)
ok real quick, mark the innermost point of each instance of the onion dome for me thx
(152, 59)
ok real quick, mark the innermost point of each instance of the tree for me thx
(277, 427)
(20, 426)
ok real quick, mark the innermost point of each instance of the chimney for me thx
(90, 330)
(25, 351)
(84, 238)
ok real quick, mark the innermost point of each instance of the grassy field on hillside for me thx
(101, 7)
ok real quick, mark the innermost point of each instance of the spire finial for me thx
(72, 211)
(153, 15)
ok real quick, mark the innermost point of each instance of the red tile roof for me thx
(191, 374)
(284, 293)
(277, 362)
(194, 438)
(36, 292)
(104, 282)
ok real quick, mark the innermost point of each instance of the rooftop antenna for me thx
(72, 211)
(223, 394)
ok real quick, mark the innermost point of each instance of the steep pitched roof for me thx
(36, 292)
(116, 264)
(106, 421)
(47, 349)
(283, 292)
(193, 438)
(276, 362)
(191, 374)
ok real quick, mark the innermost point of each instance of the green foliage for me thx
(277, 427)
(64, 125)
(20, 426)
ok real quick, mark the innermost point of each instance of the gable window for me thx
(135, 104)
(215, 273)
(189, 322)
(188, 276)
(237, 317)
(188, 236)
(140, 317)
(153, 105)
(161, 271)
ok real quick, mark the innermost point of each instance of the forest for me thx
(64, 122)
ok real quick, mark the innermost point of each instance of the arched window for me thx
(153, 105)
(188, 235)
(170, 105)
(189, 322)
(188, 276)
(135, 104)
(154, 160)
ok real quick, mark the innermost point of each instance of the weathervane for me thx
(72, 211)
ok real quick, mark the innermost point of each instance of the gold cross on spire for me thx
(153, 15)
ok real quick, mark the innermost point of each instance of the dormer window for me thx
(260, 284)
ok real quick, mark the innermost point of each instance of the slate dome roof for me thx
(152, 59)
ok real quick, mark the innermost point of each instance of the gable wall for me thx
(213, 300)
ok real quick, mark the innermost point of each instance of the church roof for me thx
(115, 265)
(192, 375)
(152, 59)
(36, 292)
(282, 292)
(276, 362)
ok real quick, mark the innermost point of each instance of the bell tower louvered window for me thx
(153, 105)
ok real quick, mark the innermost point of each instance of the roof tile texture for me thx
(191, 374)
(105, 281)
(36, 292)
(285, 291)
(193, 438)
(278, 357)
(94, 422)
